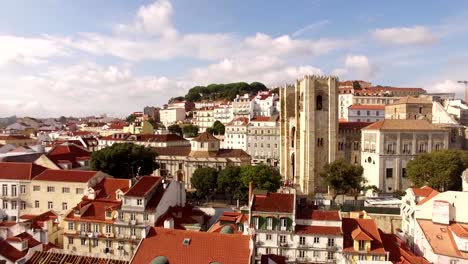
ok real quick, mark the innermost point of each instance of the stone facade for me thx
(308, 130)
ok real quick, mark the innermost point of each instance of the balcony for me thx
(109, 235)
(284, 244)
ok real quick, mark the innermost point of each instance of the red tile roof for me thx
(353, 125)
(105, 190)
(31, 241)
(37, 221)
(19, 171)
(404, 124)
(11, 253)
(367, 107)
(143, 186)
(14, 137)
(274, 202)
(205, 137)
(68, 152)
(93, 211)
(262, 119)
(366, 229)
(66, 175)
(423, 191)
(202, 247)
(312, 213)
(270, 258)
(187, 215)
(400, 253)
(318, 230)
(244, 121)
(460, 230)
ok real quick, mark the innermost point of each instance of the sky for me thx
(87, 57)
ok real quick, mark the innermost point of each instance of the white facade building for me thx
(223, 113)
(264, 104)
(366, 113)
(235, 136)
(263, 139)
(242, 106)
(203, 118)
(171, 116)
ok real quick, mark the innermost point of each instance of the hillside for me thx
(222, 91)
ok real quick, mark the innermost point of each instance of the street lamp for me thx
(466, 88)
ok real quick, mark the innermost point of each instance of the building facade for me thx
(203, 118)
(263, 139)
(235, 136)
(171, 116)
(308, 131)
(366, 113)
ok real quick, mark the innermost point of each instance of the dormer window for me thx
(362, 245)
(139, 201)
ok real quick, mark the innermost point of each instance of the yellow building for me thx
(143, 127)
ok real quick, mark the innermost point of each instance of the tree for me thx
(152, 122)
(262, 176)
(190, 130)
(175, 129)
(343, 177)
(124, 160)
(130, 119)
(205, 181)
(440, 170)
(217, 128)
(275, 90)
(62, 119)
(230, 182)
(357, 85)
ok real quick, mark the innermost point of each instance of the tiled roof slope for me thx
(366, 226)
(19, 171)
(400, 253)
(201, 247)
(404, 124)
(205, 137)
(143, 186)
(274, 202)
(108, 186)
(68, 152)
(66, 175)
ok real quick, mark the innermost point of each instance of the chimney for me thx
(250, 192)
(169, 223)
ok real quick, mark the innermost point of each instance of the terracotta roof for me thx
(244, 121)
(413, 100)
(441, 239)
(400, 253)
(318, 230)
(201, 247)
(40, 257)
(367, 107)
(93, 210)
(353, 125)
(273, 202)
(229, 219)
(27, 237)
(367, 229)
(144, 137)
(460, 230)
(205, 137)
(6, 224)
(14, 137)
(108, 186)
(270, 258)
(11, 253)
(318, 215)
(173, 151)
(19, 171)
(404, 124)
(143, 186)
(187, 215)
(66, 175)
(429, 196)
(265, 118)
(68, 152)
(37, 221)
(423, 191)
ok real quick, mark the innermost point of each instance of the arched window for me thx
(293, 136)
(319, 102)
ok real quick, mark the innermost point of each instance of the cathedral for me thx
(309, 131)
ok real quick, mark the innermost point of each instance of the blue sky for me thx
(90, 57)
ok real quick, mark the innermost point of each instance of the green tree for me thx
(204, 180)
(440, 170)
(230, 182)
(130, 119)
(262, 176)
(217, 128)
(357, 85)
(124, 160)
(190, 130)
(175, 129)
(62, 119)
(152, 122)
(343, 177)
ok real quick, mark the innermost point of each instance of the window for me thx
(50, 189)
(362, 257)
(139, 201)
(83, 227)
(180, 166)
(319, 102)
(50, 205)
(375, 257)
(108, 243)
(316, 254)
(64, 206)
(362, 245)
(389, 173)
(390, 149)
(70, 240)
(256, 221)
(284, 223)
(120, 215)
(268, 250)
(23, 205)
(422, 147)
(95, 242)
(22, 189)
(377, 113)
(5, 190)
(96, 228)
(331, 242)
(14, 205)
(282, 239)
(108, 214)
(316, 240)
(65, 190)
(454, 261)
(71, 226)
(269, 223)
(79, 191)
(301, 253)
(5, 205)
(132, 231)
(36, 204)
(13, 190)
(268, 237)
(403, 172)
(145, 217)
(276, 145)
(132, 216)
(330, 255)
(108, 229)
(358, 113)
(301, 240)
(83, 241)
(36, 188)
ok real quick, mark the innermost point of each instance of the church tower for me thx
(308, 131)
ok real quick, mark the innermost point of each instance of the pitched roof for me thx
(93, 210)
(359, 234)
(187, 151)
(367, 107)
(37, 221)
(106, 189)
(352, 125)
(367, 230)
(318, 215)
(11, 253)
(273, 118)
(40, 257)
(23, 158)
(318, 230)
(19, 171)
(404, 124)
(244, 121)
(66, 175)
(413, 100)
(205, 137)
(143, 186)
(68, 152)
(400, 253)
(201, 247)
(273, 202)
(423, 191)
(173, 151)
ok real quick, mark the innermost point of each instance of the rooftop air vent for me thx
(186, 241)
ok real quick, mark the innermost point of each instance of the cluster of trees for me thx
(234, 180)
(217, 128)
(343, 177)
(222, 91)
(440, 170)
(187, 130)
(124, 160)
(130, 118)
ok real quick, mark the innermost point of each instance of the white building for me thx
(388, 145)
(263, 139)
(223, 113)
(366, 113)
(171, 116)
(242, 106)
(203, 118)
(235, 136)
(264, 104)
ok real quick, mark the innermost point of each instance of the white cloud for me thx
(417, 35)
(310, 27)
(357, 67)
(447, 86)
